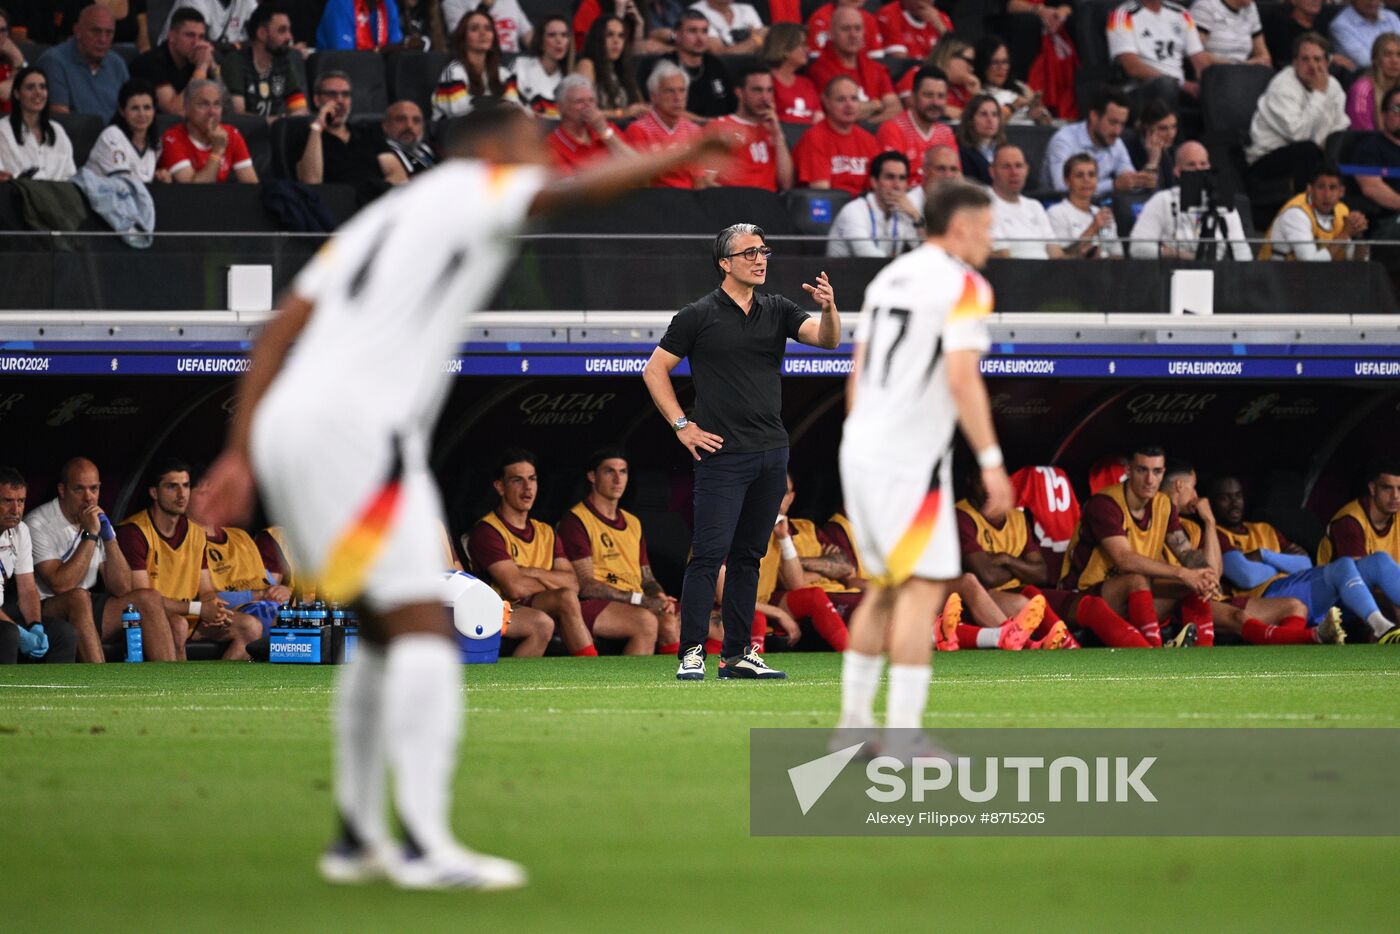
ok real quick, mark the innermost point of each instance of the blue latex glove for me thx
(105, 530)
(33, 641)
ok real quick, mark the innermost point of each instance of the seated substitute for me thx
(237, 567)
(73, 544)
(618, 594)
(522, 559)
(1124, 532)
(1314, 226)
(1276, 619)
(883, 222)
(166, 552)
(822, 592)
(1366, 526)
(1259, 561)
(25, 634)
(338, 153)
(204, 150)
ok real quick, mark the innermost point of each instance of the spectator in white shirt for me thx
(1301, 107)
(1085, 230)
(735, 28)
(1231, 31)
(1019, 225)
(883, 222)
(1315, 226)
(130, 144)
(1166, 229)
(1101, 136)
(32, 145)
(1151, 40)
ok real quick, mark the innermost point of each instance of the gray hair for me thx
(661, 72)
(325, 76)
(199, 84)
(724, 243)
(568, 83)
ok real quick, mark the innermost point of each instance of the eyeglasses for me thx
(335, 95)
(970, 59)
(752, 253)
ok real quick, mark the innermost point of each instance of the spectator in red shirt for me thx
(762, 160)
(819, 26)
(795, 97)
(910, 28)
(666, 124)
(844, 56)
(203, 149)
(11, 61)
(918, 129)
(582, 135)
(836, 153)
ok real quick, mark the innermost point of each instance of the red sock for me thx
(758, 631)
(1292, 622)
(1196, 610)
(1143, 615)
(670, 648)
(588, 651)
(1050, 618)
(1256, 632)
(1113, 630)
(713, 646)
(813, 603)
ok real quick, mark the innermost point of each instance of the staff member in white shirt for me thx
(883, 222)
(1020, 227)
(1165, 228)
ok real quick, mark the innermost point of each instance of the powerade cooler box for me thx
(297, 640)
(478, 614)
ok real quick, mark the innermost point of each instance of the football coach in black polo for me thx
(735, 339)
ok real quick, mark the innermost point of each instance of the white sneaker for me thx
(692, 664)
(342, 864)
(749, 666)
(458, 868)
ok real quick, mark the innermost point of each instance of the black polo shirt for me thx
(711, 92)
(736, 361)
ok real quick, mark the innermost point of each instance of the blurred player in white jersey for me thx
(336, 429)
(915, 380)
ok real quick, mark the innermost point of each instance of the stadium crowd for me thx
(813, 97)
(1148, 560)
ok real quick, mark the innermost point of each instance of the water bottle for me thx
(131, 625)
(316, 616)
(337, 617)
(285, 618)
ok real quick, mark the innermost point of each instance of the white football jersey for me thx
(917, 309)
(394, 288)
(1164, 39)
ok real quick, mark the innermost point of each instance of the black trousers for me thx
(736, 503)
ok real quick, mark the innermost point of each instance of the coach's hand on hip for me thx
(696, 439)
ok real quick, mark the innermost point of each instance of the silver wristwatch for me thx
(680, 423)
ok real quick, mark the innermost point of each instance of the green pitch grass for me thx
(196, 798)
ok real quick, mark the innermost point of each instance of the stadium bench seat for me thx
(82, 130)
(413, 75)
(258, 135)
(127, 50)
(196, 650)
(369, 91)
(792, 132)
(1033, 140)
(1229, 96)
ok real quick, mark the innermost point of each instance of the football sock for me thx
(1256, 632)
(860, 679)
(423, 719)
(1143, 615)
(670, 648)
(1196, 610)
(969, 636)
(1346, 584)
(1113, 630)
(908, 695)
(359, 744)
(986, 638)
(588, 651)
(713, 646)
(813, 603)
(758, 631)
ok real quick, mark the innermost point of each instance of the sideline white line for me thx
(63, 687)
